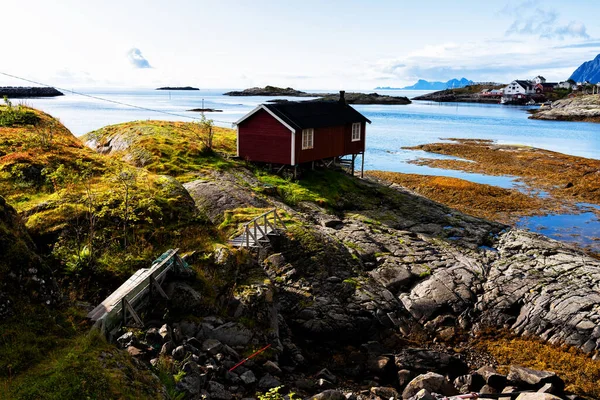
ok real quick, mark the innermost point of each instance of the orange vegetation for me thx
(564, 176)
(476, 199)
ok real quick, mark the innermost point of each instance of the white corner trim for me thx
(237, 130)
(293, 158)
(278, 119)
(262, 107)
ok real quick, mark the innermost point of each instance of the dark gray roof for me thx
(525, 84)
(316, 114)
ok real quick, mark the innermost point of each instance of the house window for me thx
(356, 132)
(308, 136)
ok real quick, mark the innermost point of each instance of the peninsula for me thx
(467, 94)
(20, 92)
(177, 88)
(351, 97)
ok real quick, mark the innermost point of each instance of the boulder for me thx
(327, 375)
(521, 376)
(423, 394)
(232, 334)
(183, 298)
(153, 338)
(537, 396)
(248, 378)
(191, 384)
(329, 395)
(167, 348)
(217, 391)
(385, 392)
(272, 368)
(434, 383)
(212, 346)
(424, 360)
(179, 353)
(491, 377)
(268, 382)
(165, 332)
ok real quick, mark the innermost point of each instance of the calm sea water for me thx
(393, 127)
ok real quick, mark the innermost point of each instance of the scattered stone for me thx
(183, 298)
(385, 392)
(424, 360)
(272, 368)
(326, 374)
(434, 383)
(127, 339)
(135, 352)
(423, 394)
(268, 382)
(404, 377)
(248, 378)
(232, 334)
(167, 348)
(179, 353)
(329, 395)
(165, 332)
(153, 338)
(521, 376)
(537, 396)
(491, 377)
(191, 384)
(211, 346)
(217, 391)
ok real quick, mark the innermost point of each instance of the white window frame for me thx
(356, 132)
(308, 138)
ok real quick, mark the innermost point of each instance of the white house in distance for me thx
(519, 87)
(539, 80)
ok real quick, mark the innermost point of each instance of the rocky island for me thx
(350, 97)
(579, 108)
(177, 88)
(371, 291)
(19, 92)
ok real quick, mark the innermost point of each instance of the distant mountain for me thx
(588, 71)
(426, 85)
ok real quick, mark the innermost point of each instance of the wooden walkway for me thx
(256, 232)
(116, 309)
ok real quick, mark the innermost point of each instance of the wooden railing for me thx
(115, 310)
(257, 229)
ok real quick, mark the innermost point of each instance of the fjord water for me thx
(393, 127)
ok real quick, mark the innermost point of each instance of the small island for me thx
(20, 92)
(177, 88)
(205, 110)
(351, 97)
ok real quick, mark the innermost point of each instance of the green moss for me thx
(87, 367)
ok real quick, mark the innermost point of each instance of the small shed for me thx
(300, 132)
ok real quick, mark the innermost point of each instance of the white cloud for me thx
(137, 59)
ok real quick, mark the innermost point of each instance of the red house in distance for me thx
(301, 132)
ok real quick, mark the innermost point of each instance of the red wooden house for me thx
(295, 133)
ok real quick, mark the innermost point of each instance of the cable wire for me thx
(109, 100)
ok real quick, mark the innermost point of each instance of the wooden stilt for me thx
(362, 165)
(128, 307)
(295, 172)
(159, 289)
(353, 158)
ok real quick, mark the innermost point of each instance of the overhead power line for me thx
(109, 100)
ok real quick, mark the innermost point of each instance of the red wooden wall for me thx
(263, 138)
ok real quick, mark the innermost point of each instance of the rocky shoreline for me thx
(584, 108)
(20, 92)
(468, 94)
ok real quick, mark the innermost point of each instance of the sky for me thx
(308, 44)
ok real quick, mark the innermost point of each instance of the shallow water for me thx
(580, 228)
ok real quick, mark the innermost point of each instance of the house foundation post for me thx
(353, 159)
(362, 165)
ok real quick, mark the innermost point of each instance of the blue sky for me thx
(305, 44)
